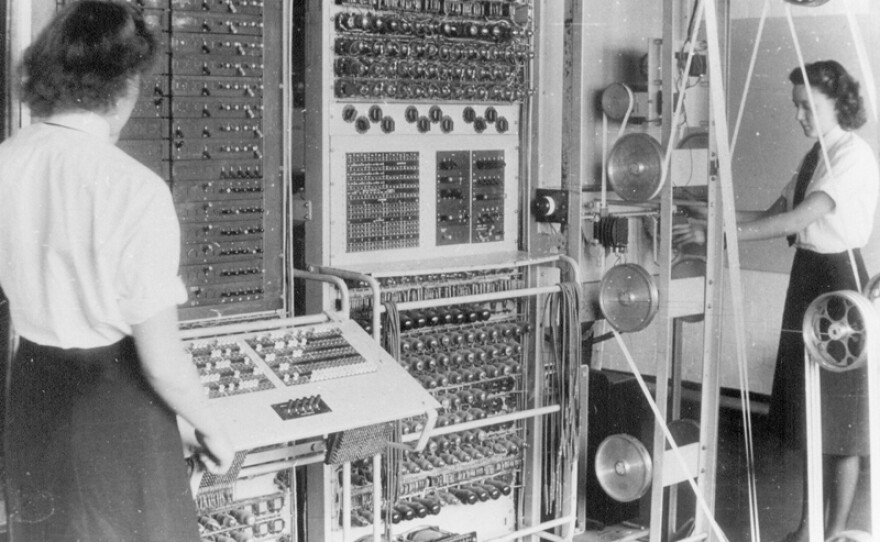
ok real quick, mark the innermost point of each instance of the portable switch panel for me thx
(285, 382)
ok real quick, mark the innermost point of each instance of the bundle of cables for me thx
(563, 389)
(393, 455)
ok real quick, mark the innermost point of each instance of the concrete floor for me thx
(778, 476)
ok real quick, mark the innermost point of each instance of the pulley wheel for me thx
(628, 297)
(635, 167)
(623, 467)
(836, 328)
(807, 3)
(617, 99)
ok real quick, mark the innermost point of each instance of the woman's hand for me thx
(692, 231)
(216, 452)
(698, 210)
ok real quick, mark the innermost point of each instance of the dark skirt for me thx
(94, 455)
(844, 395)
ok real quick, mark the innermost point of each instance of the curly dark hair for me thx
(832, 80)
(86, 56)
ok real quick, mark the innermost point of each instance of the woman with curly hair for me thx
(826, 214)
(90, 247)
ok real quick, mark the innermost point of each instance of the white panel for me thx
(426, 146)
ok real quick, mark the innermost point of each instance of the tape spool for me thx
(635, 167)
(807, 3)
(836, 328)
(628, 297)
(617, 99)
(623, 467)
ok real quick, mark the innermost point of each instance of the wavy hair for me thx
(832, 80)
(86, 56)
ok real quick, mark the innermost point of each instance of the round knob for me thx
(387, 125)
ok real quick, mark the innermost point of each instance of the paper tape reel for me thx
(635, 167)
(623, 467)
(628, 297)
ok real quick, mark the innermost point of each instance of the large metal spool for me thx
(836, 327)
(635, 167)
(623, 465)
(628, 297)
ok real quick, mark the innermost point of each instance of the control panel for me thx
(292, 393)
(383, 200)
(441, 51)
(208, 121)
(423, 105)
(285, 382)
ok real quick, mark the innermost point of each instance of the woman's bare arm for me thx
(176, 381)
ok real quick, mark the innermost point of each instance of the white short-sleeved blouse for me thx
(853, 183)
(89, 238)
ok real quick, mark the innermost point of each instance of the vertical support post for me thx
(813, 394)
(712, 324)
(532, 471)
(317, 160)
(583, 435)
(663, 350)
(319, 502)
(721, 189)
(874, 419)
(346, 501)
(541, 167)
(577, 129)
(711, 354)
(573, 182)
(675, 407)
(542, 164)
